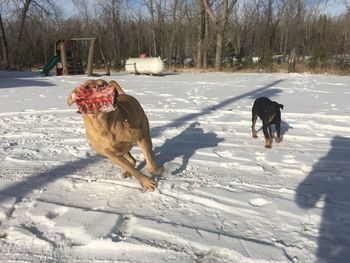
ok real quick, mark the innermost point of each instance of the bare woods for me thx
(200, 33)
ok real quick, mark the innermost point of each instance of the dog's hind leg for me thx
(254, 118)
(146, 148)
(132, 162)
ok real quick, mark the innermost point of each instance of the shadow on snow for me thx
(22, 80)
(327, 188)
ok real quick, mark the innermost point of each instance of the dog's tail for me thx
(280, 106)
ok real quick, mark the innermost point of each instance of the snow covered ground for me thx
(223, 196)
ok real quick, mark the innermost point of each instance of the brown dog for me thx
(113, 134)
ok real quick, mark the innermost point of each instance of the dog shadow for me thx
(285, 127)
(327, 188)
(184, 146)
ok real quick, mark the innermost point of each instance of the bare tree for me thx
(151, 9)
(206, 41)
(201, 33)
(244, 24)
(198, 29)
(177, 14)
(225, 9)
(44, 6)
(202, 36)
(116, 24)
(273, 10)
(83, 7)
(22, 19)
(5, 50)
(347, 5)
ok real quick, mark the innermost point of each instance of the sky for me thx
(333, 7)
(69, 8)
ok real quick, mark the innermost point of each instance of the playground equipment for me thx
(151, 66)
(68, 57)
(52, 62)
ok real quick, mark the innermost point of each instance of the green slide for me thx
(52, 62)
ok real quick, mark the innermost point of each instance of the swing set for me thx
(69, 57)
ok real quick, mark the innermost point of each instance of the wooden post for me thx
(91, 57)
(108, 72)
(64, 58)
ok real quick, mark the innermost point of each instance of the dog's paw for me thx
(126, 174)
(149, 185)
(267, 143)
(278, 139)
(157, 171)
(254, 136)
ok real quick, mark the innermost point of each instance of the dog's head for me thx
(271, 109)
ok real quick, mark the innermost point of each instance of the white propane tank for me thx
(152, 66)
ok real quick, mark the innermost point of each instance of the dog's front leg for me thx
(270, 131)
(278, 130)
(266, 135)
(132, 162)
(122, 162)
(146, 148)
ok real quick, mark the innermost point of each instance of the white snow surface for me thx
(222, 198)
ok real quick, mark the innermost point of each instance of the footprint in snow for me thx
(259, 156)
(289, 159)
(306, 168)
(258, 202)
(57, 212)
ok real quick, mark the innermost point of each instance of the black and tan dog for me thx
(113, 134)
(269, 112)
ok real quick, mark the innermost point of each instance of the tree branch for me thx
(41, 7)
(231, 6)
(209, 11)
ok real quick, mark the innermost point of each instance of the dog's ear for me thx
(280, 106)
(117, 87)
(89, 83)
(101, 82)
(71, 97)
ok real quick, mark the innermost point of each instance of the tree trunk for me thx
(219, 49)
(150, 7)
(5, 51)
(115, 29)
(173, 32)
(206, 41)
(108, 72)
(268, 34)
(201, 35)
